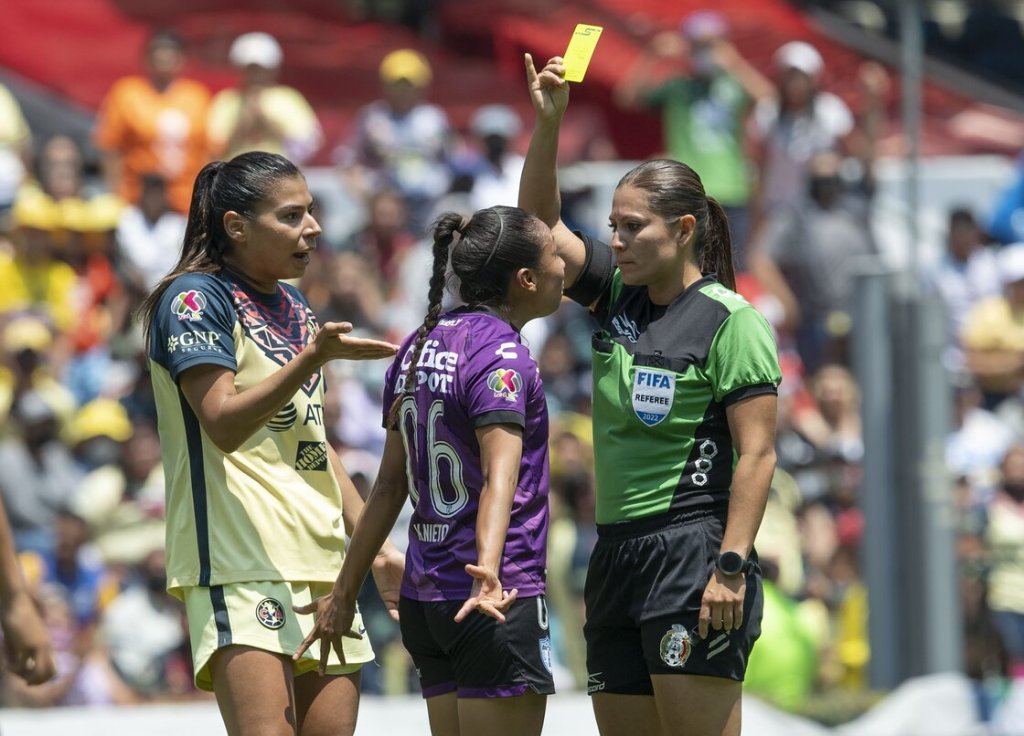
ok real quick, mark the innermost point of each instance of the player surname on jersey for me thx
(431, 532)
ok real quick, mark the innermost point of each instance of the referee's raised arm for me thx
(538, 187)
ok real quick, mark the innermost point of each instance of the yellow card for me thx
(581, 48)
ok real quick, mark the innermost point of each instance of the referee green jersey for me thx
(663, 378)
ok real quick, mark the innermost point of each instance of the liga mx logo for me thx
(270, 613)
(505, 382)
(189, 305)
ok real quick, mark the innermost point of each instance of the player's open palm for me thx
(334, 616)
(549, 91)
(486, 595)
(333, 342)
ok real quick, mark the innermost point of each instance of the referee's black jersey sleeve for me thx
(596, 276)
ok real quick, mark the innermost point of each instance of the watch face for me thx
(731, 563)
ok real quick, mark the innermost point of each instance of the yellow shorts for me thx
(260, 615)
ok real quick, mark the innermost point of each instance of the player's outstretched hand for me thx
(334, 617)
(549, 91)
(486, 595)
(333, 342)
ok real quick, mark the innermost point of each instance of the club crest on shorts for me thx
(675, 646)
(270, 613)
(653, 394)
(505, 382)
(545, 652)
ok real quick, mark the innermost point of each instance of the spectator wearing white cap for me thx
(803, 120)
(704, 89)
(993, 333)
(495, 128)
(262, 115)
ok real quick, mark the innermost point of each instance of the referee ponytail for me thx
(715, 245)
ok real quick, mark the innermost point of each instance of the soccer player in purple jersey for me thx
(468, 443)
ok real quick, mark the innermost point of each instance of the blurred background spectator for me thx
(705, 98)
(261, 115)
(155, 124)
(15, 148)
(967, 273)
(149, 236)
(496, 179)
(401, 140)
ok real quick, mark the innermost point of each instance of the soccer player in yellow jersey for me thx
(258, 503)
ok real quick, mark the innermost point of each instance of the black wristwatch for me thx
(732, 564)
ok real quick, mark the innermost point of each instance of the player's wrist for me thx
(732, 564)
(313, 356)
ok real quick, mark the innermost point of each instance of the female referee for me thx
(685, 375)
(257, 501)
(468, 440)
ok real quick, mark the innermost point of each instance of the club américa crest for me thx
(505, 382)
(270, 613)
(675, 646)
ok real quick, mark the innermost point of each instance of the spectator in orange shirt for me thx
(155, 123)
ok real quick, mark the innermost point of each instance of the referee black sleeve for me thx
(596, 275)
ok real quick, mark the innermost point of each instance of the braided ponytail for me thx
(444, 232)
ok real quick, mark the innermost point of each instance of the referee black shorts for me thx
(643, 595)
(480, 657)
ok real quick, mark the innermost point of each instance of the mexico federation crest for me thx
(505, 382)
(675, 646)
(653, 394)
(270, 613)
(189, 305)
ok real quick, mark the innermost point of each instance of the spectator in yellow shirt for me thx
(31, 277)
(261, 115)
(993, 333)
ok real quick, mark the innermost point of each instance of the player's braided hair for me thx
(444, 232)
(673, 190)
(492, 246)
(238, 185)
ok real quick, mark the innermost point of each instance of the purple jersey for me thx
(474, 371)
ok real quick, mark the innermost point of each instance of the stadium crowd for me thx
(80, 470)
